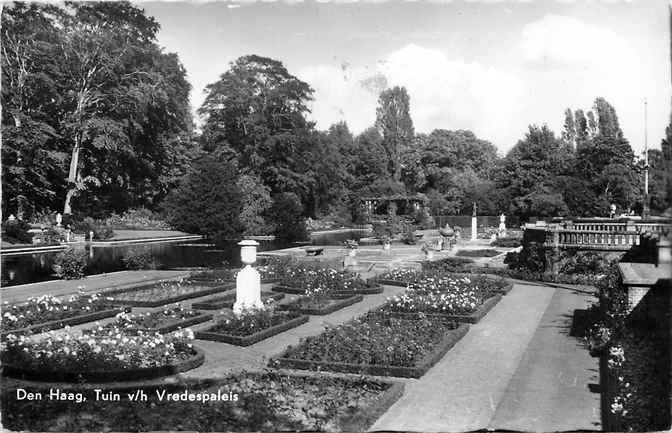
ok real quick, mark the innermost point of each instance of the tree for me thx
(369, 161)
(257, 109)
(569, 132)
(88, 83)
(394, 123)
(208, 201)
(256, 202)
(287, 214)
(607, 120)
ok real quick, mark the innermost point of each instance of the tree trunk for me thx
(72, 177)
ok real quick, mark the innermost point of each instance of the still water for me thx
(32, 268)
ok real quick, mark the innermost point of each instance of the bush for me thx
(530, 258)
(449, 264)
(50, 236)
(16, 232)
(409, 237)
(139, 258)
(287, 214)
(256, 199)
(478, 253)
(70, 264)
(137, 219)
(88, 224)
(506, 242)
(207, 201)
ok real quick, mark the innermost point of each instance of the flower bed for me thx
(267, 402)
(101, 355)
(227, 301)
(252, 326)
(47, 312)
(457, 298)
(163, 293)
(162, 321)
(320, 306)
(478, 253)
(377, 344)
(398, 277)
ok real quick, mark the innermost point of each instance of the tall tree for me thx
(393, 120)
(257, 109)
(569, 131)
(607, 120)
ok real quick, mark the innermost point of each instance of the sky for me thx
(493, 67)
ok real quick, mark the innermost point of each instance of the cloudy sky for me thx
(491, 67)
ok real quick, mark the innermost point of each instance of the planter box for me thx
(417, 371)
(474, 317)
(227, 301)
(300, 291)
(185, 323)
(327, 309)
(170, 300)
(60, 375)
(253, 338)
(72, 321)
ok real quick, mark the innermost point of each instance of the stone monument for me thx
(248, 281)
(474, 225)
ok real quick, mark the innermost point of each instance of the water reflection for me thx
(31, 268)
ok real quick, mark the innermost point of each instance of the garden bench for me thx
(314, 251)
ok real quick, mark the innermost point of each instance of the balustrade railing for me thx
(591, 239)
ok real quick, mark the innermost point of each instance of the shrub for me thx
(70, 264)
(506, 242)
(256, 201)
(134, 219)
(478, 253)
(207, 201)
(449, 264)
(287, 214)
(530, 258)
(88, 224)
(139, 258)
(409, 237)
(17, 232)
(50, 236)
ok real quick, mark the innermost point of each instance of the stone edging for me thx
(106, 376)
(450, 339)
(335, 306)
(72, 321)
(247, 340)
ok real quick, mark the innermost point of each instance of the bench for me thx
(315, 251)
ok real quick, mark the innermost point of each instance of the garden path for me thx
(508, 367)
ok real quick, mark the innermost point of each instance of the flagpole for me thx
(646, 210)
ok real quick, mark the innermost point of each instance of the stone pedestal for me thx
(248, 290)
(474, 229)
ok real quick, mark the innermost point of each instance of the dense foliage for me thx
(207, 200)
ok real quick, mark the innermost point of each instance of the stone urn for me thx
(248, 280)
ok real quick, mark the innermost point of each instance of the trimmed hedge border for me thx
(72, 321)
(389, 282)
(472, 318)
(173, 299)
(299, 291)
(248, 340)
(339, 304)
(451, 338)
(106, 376)
(228, 281)
(228, 300)
(185, 323)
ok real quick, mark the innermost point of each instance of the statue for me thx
(502, 225)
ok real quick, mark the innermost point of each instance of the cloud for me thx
(445, 93)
